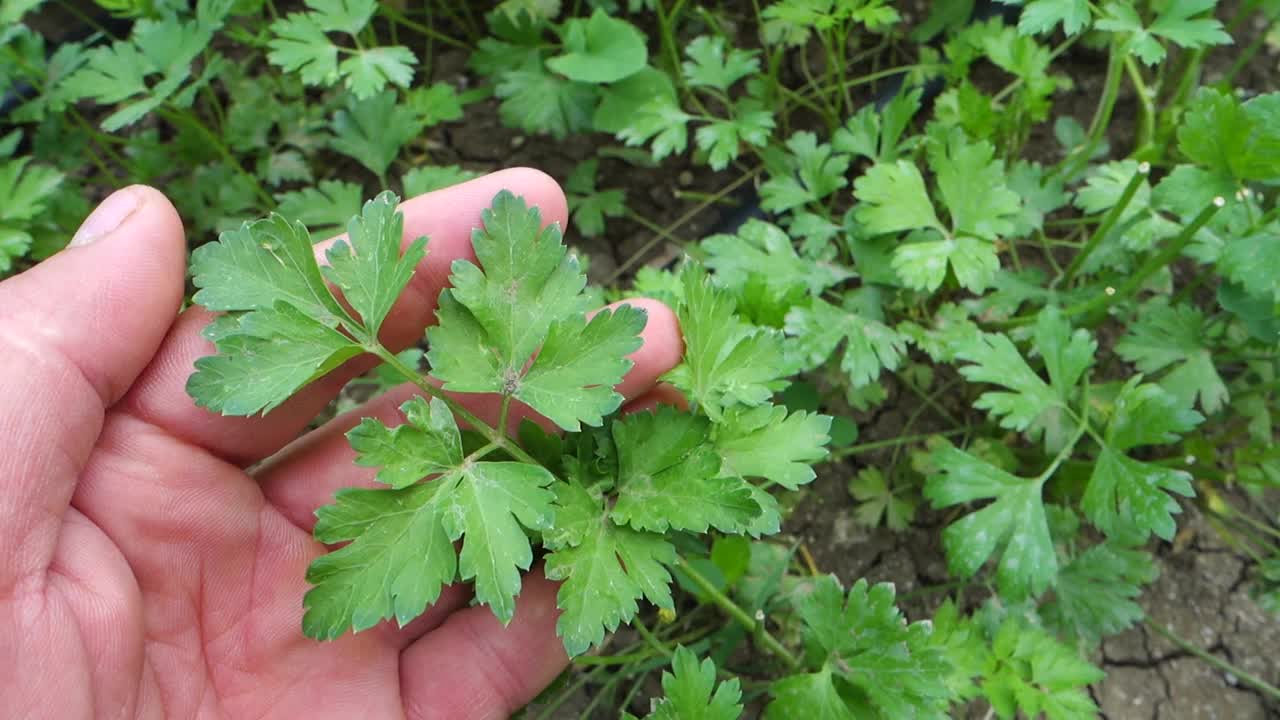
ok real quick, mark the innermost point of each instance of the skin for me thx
(154, 553)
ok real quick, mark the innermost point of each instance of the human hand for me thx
(149, 572)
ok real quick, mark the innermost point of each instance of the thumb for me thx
(75, 331)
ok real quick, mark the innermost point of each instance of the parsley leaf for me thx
(809, 173)
(1238, 141)
(1095, 593)
(692, 692)
(722, 139)
(870, 345)
(887, 663)
(1015, 522)
(1177, 338)
(1036, 674)
(325, 208)
(893, 198)
(1177, 23)
(27, 189)
(709, 65)
(661, 121)
(525, 297)
(401, 552)
(372, 131)
(669, 477)
(606, 568)
(1042, 16)
(284, 328)
(538, 101)
(1128, 499)
(725, 361)
(768, 442)
(876, 133)
(300, 43)
(428, 444)
(589, 205)
(1032, 405)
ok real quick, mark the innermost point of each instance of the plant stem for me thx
(680, 222)
(495, 436)
(401, 19)
(736, 612)
(1108, 222)
(1167, 255)
(1239, 673)
(891, 442)
(1101, 117)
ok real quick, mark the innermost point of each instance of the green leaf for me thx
(11, 11)
(284, 328)
(1096, 592)
(923, 265)
(600, 49)
(769, 443)
(621, 102)
(373, 130)
(372, 278)
(325, 208)
(300, 44)
(429, 178)
(165, 48)
(892, 198)
(760, 252)
(535, 100)
(808, 695)
(401, 552)
(1032, 405)
(725, 360)
(887, 661)
(27, 189)
(662, 122)
(812, 173)
(368, 72)
(722, 140)
(428, 444)
(528, 298)
(972, 184)
(589, 205)
(693, 694)
(876, 133)
(1042, 16)
(1014, 523)
(709, 65)
(669, 477)
(1176, 338)
(1230, 138)
(870, 346)
(605, 569)
(1128, 499)
(1177, 23)
(1034, 673)
(880, 502)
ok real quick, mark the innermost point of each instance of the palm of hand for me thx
(149, 574)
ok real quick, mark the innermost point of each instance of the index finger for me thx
(445, 217)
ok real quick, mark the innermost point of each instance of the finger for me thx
(308, 473)
(76, 331)
(446, 217)
(473, 668)
(660, 394)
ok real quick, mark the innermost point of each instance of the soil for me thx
(1202, 593)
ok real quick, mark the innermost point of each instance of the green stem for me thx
(1108, 222)
(1146, 100)
(891, 442)
(400, 18)
(1168, 254)
(736, 612)
(1239, 673)
(492, 434)
(1101, 116)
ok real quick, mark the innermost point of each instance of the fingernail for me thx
(108, 216)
